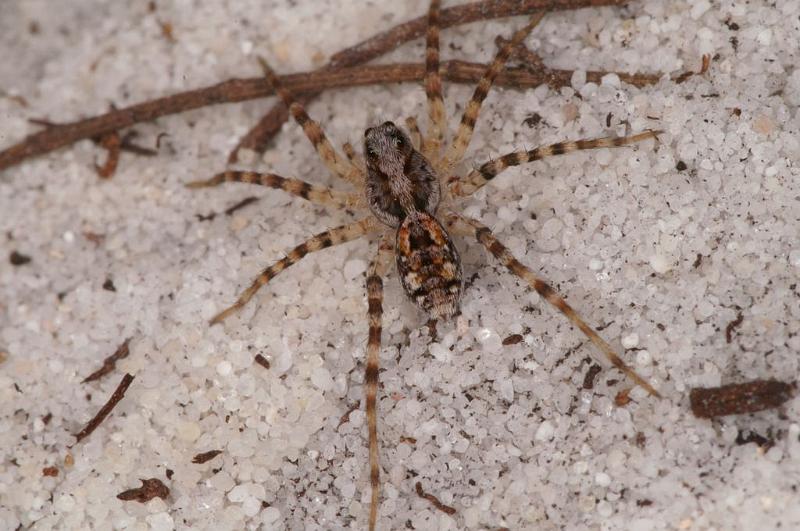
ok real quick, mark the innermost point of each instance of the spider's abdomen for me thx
(429, 265)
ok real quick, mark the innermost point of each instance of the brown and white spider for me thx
(408, 190)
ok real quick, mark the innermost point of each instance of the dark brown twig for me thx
(151, 488)
(112, 143)
(734, 399)
(733, 325)
(260, 135)
(555, 77)
(119, 393)
(237, 90)
(434, 500)
(110, 362)
(204, 457)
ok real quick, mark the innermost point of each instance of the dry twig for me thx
(119, 393)
(337, 74)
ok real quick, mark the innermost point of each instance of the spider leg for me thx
(481, 233)
(323, 240)
(352, 156)
(488, 171)
(375, 273)
(316, 194)
(416, 136)
(313, 131)
(459, 144)
(433, 85)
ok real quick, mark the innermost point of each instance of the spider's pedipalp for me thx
(375, 272)
(316, 194)
(323, 240)
(414, 133)
(351, 155)
(437, 123)
(459, 144)
(482, 233)
(488, 171)
(313, 131)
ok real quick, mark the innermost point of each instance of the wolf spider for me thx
(407, 185)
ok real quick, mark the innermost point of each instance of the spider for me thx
(406, 185)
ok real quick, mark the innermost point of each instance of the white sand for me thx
(504, 434)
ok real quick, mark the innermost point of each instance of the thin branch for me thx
(237, 90)
(260, 135)
(118, 395)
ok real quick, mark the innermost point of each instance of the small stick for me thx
(204, 457)
(119, 393)
(434, 500)
(733, 325)
(112, 143)
(735, 399)
(588, 380)
(110, 362)
(151, 488)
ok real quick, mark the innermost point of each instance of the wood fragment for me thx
(50, 471)
(623, 398)
(736, 399)
(408, 440)
(17, 259)
(512, 340)
(111, 142)
(118, 395)
(733, 325)
(434, 500)
(151, 488)
(703, 69)
(346, 417)
(205, 457)
(588, 380)
(110, 362)
(241, 204)
(261, 360)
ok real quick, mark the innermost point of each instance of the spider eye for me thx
(398, 141)
(372, 152)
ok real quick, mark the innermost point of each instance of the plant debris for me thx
(118, 395)
(588, 380)
(205, 457)
(434, 500)
(735, 399)
(17, 259)
(110, 362)
(151, 488)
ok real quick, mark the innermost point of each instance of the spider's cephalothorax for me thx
(400, 180)
(403, 191)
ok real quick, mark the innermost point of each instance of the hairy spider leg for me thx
(414, 133)
(488, 171)
(482, 233)
(377, 269)
(323, 240)
(352, 156)
(459, 144)
(316, 194)
(335, 164)
(433, 86)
